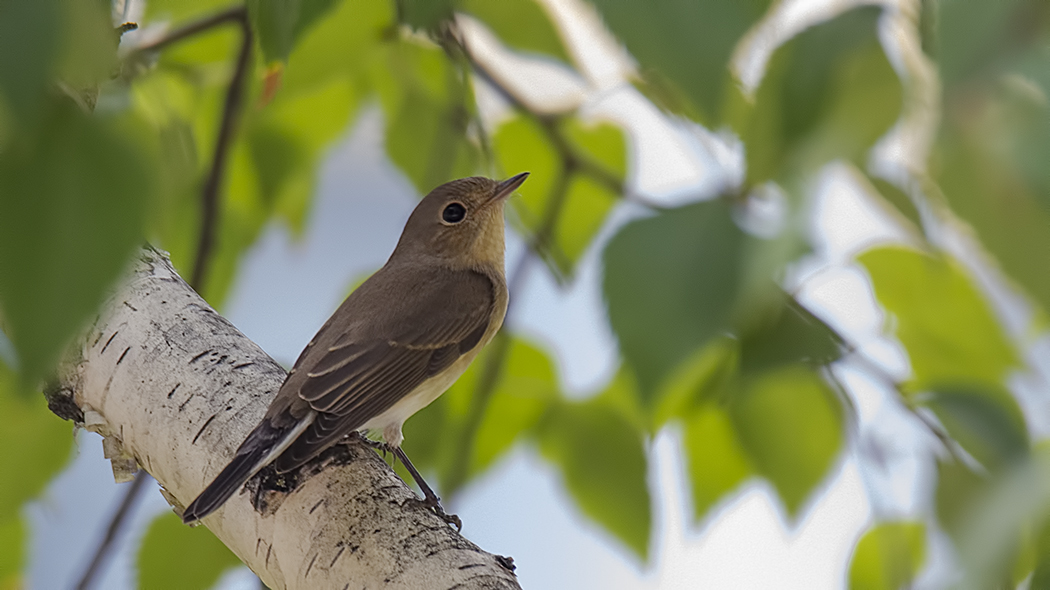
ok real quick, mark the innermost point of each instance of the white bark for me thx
(179, 388)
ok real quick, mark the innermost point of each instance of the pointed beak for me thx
(505, 188)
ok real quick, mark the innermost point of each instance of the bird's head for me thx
(460, 223)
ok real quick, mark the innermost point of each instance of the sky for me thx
(287, 287)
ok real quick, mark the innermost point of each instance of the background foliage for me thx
(106, 144)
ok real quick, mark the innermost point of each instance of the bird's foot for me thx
(434, 505)
(379, 446)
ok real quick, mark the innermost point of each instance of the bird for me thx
(394, 345)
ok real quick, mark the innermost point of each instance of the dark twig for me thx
(230, 15)
(210, 193)
(209, 198)
(116, 523)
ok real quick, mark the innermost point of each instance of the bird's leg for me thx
(382, 447)
(430, 499)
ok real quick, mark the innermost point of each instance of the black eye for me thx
(454, 213)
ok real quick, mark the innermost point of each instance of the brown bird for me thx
(398, 341)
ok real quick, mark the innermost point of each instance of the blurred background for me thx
(779, 275)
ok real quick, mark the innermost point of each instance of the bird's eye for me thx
(454, 213)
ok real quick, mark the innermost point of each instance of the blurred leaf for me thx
(790, 424)
(898, 200)
(672, 282)
(987, 423)
(280, 23)
(716, 459)
(36, 443)
(520, 145)
(702, 377)
(444, 438)
(683, 47)
(975, 39)
(888, 556)
(344, 44)
(788, 333)
(89, 46)
(947, 326)
(12, 553)
(603, 462)
(28, 48)
(521, 24)
(828, 93)
(181, 10)
(169, 546)
(427, 111)
(74, 198)
(426, 15)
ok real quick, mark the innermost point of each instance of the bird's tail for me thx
(261, 447)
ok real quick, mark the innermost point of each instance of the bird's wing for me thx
(357, 376)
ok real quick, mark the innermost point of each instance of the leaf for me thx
(828, 93)
(988, 423)
(424, 15)
(74, 199)
(12, 552)
(716, 460)
(789, 333)
(948, 328)
(28, 48)
(898, 200)
(280, 23)
(603, 462)
(460, 437)
(671, 284)
(168, 546)
(888, 556)
(37, 446)
(790, 424)
(523, 25)
(427, 111)
(703, 376)
(683, 47)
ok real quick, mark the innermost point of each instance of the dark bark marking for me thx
(471, 565)
(269, 549)
(199, 356)
(201, 431)
(337, 556)
(317, 505)
(242, 365)
(130, 306)
(106, 345)
(309, 567)
(172, 392)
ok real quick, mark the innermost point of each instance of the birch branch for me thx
(175, 387)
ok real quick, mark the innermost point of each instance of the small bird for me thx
(398, 341)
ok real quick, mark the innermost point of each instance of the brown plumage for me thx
(397, 342)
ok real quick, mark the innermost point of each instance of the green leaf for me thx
(988, 423)
(888, 556)
(672, 282)
(28, 48)
(73, 199)
(703, 376)
(603, 462)
(521, 24)
(169, 546)
(898, 200)
(461, 435)
(716, 460)
(427, 108)
(790, 423)
(788, 333)
(948, 328)
(36, 443)
(425, 15)
(828, 93)
(280, 23)
(12, 553)
(683, 47)
(975, 40)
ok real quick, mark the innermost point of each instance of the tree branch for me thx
(210, 192)
(178, 387)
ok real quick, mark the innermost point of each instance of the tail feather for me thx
(261, 447)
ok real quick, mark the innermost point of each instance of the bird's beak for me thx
(505, 188)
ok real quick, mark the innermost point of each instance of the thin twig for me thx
(210, 193)
(115, 525)
(209, 199)
(233, 14)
